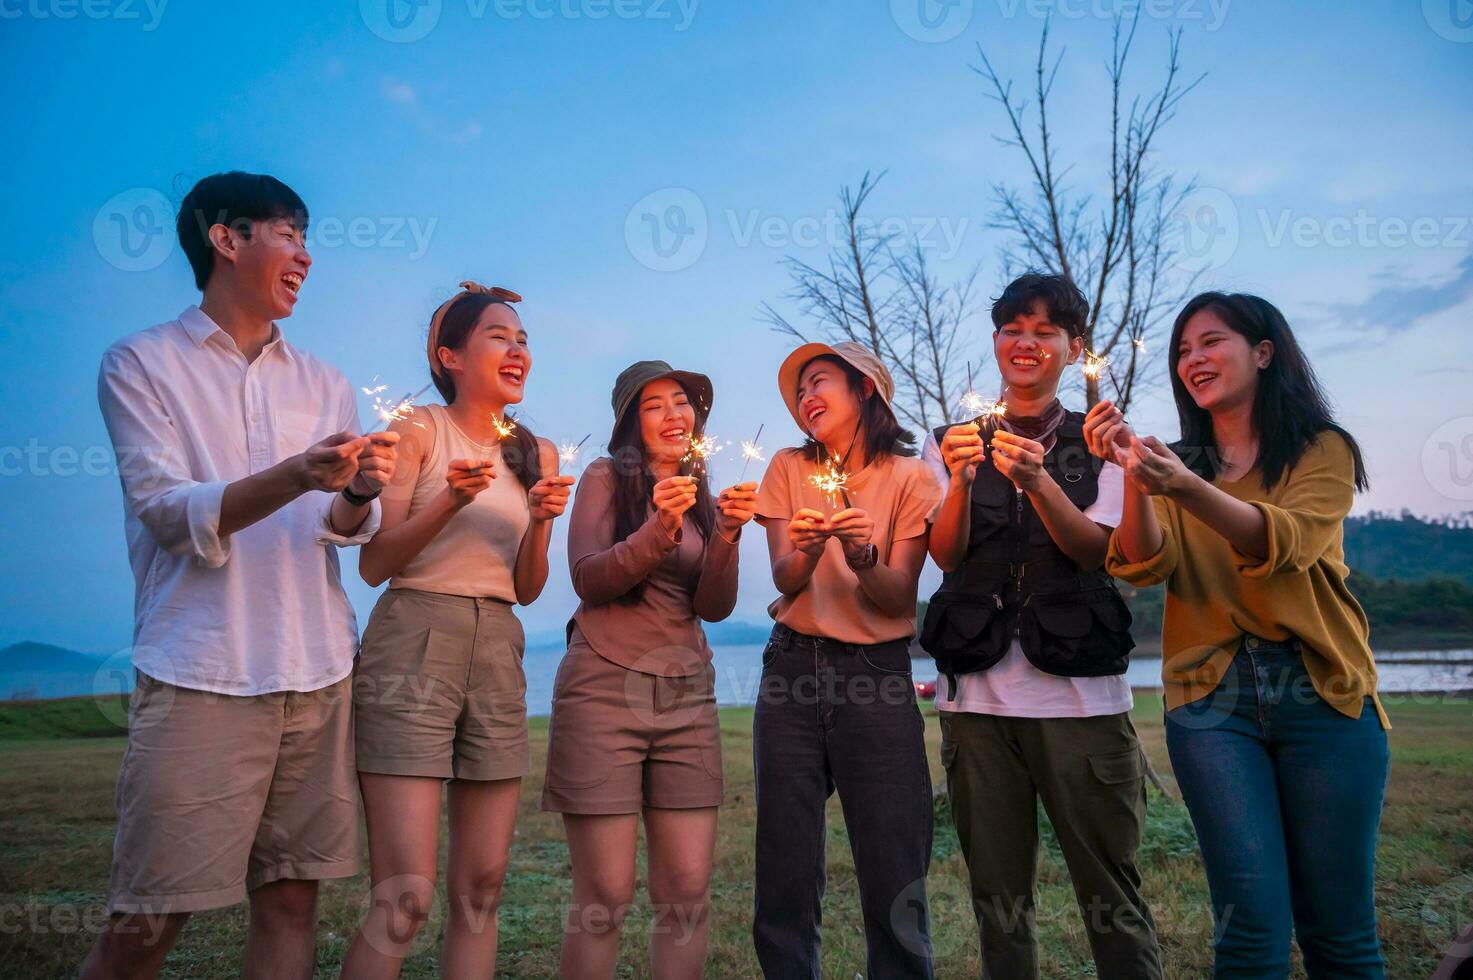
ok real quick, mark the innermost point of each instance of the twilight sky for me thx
(639, 168)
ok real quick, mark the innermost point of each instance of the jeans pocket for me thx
(886, 658)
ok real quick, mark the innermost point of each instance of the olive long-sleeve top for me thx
(687, 579)
(1215, 594)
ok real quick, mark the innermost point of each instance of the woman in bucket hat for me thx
(847, 516)
(634, 727)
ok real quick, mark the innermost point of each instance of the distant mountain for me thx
(1407, 548)
(32, 671)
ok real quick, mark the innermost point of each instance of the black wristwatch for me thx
(357, 500)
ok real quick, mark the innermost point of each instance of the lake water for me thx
(739, 672)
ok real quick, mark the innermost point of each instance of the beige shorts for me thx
(620, 740)
(220, 794)
(439, 689)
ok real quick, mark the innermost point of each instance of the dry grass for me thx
(57, 828)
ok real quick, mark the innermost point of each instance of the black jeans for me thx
(840, 716)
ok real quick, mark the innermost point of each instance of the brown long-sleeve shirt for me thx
(687, 579)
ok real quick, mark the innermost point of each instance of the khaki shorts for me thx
(220, 794)
(620, 740)
(439, 689)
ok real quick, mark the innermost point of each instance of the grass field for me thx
(56, 834)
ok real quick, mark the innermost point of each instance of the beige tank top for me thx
(474, 553)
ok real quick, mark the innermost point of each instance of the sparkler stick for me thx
(567, 453)
(752, 451)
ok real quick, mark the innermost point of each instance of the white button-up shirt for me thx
(260, 610)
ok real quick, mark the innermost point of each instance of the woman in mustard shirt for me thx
(1276, 736)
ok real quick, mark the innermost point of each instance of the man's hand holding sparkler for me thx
(376, 463)
(330, 464)
(735, 507)
(674, 496)
(1019, 459)
(963, 451)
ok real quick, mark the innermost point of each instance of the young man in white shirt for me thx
(1032, 640)
(242, 475)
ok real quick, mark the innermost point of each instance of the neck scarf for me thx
(1041, 428)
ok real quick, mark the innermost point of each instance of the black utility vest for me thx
(1015, 583)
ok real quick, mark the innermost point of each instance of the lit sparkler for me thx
(832, 480)
(700, 451)
(567, 453)
(504, 426)
(751, 451)
(388, 412)
(1098, 365)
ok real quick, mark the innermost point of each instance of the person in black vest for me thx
(1031, 639)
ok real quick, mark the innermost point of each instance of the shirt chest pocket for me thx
(294, 431)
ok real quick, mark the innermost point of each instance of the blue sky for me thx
(531, 143)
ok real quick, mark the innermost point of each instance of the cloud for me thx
(397, 91)
(1402, 304)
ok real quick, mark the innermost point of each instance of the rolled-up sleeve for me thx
(347, 421)
(1155, 569)
(1310, 514)
(182, 514)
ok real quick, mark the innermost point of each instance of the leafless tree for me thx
(880, 290)
(1119, 250)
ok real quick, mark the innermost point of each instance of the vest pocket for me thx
(1077, 634)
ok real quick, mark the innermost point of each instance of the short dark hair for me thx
(1065, 304)
(230, 199)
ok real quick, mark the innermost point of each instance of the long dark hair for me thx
(882, 433)
(634, 484)
(519, 451)
(1290, 409)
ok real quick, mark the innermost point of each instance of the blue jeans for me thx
(1285, 793)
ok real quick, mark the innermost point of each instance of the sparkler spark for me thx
(751, 451)
(504, 426)
(567, 453)
(386, 411)
(1095, 365)
(701, 449)
(832, 480)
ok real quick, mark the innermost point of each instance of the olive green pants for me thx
(1089, 773)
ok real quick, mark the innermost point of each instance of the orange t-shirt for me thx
(900, 493)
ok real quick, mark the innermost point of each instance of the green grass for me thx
(57, 823)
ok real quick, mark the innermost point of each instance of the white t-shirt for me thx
(1013, 687)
